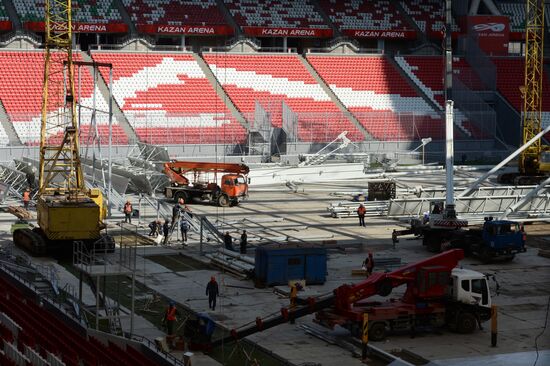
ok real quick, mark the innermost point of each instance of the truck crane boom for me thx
(419, 289)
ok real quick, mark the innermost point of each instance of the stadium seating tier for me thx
(44, 333)
(84, 11)
(516, 12)
(511, 76)
(360, 14)
(274, 79)
(3, 15)
(174, 12)
(275, 13)
(429, 15)
(21, 96)
(380, 98)
(427, 73)
(168, 99)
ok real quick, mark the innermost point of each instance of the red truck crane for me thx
(437, 294)
(192, 180)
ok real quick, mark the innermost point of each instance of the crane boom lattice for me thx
(532, 90)
(60, 169)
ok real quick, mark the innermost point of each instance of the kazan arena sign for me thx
(288, 32)
(81, 27)
(386, 34)
(197, 30)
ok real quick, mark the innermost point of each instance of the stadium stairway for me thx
(8, 127)
(326, 18)
(220, 90)
(334, 97)
(228, 18)
(12, 13)
(125, 16)
(120, 117)
(401, 64)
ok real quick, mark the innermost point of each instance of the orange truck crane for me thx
(198, 181)
(438, 293)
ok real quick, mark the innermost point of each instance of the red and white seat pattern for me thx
(275, 13)
(272, 79)
(174, 12)
(423, 71)
(511, 76)
(83, 11)
(30, 335)
(21, 95)
(387, 106)
(361, 14)
(429, 15)
(168, 99)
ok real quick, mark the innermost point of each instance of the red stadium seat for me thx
(274, 79)
(168, 99)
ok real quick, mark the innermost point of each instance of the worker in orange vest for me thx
(26, 198)
(128, 209)
(170, 317)
(361, 211)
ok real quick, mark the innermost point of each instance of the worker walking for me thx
(368, 264)
(361, 211)
(244, 242)
(26, 198)
(184, 228)
(170, 317)
(228, 242)
(128, 212)
(212, 291)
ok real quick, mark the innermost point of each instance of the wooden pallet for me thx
(20, 212)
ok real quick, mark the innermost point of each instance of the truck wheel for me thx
(384, 288)
(223, 200)
(377, 331)
(509, 258)
(485, 255)
(466, 323)
(182, 195)
(432, 243)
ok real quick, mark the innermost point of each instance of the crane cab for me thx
(470, 288)
(544, 162)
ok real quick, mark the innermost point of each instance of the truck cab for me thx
(503, 237)
(235, 186)
(469, 287)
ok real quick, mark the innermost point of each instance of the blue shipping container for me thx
(276, 264)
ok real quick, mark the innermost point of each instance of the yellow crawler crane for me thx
(66, 210)
(534, 162)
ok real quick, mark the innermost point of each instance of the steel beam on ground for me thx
(478, 206)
